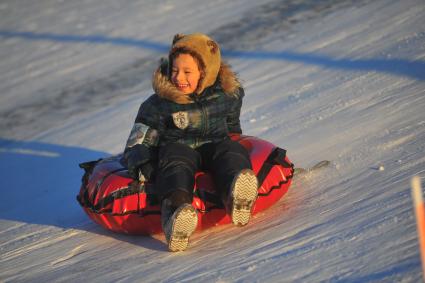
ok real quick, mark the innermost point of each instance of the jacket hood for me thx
(164, 88)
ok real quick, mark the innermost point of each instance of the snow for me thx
(336, 80)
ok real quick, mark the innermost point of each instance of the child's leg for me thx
(177, 166)
(228, 158)
(233, 175)
(175, 180)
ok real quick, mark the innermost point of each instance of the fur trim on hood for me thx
(164, 88)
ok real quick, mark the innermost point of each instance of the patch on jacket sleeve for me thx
(142, 133)
(181, 119)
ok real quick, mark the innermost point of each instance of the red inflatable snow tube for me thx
(118, 203)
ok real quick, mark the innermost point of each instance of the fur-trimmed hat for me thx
(205, 50)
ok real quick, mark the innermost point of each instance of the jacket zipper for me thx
(205, 122)
(204, 126)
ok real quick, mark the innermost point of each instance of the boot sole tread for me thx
(183, 227)
(244, 192)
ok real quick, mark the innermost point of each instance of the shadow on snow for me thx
(400, 67)
(40, 181)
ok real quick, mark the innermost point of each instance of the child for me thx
(185, 125)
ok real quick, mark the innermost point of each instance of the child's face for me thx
(185, 73)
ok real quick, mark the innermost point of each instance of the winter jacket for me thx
(164, 118)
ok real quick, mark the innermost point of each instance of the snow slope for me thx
(336, 80)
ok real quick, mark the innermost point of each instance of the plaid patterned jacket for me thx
(209, 118)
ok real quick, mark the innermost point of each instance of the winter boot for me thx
(179, 225)
(243, 194)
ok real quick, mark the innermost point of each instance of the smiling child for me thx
(184, 128)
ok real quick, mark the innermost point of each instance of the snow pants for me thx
(178, 164)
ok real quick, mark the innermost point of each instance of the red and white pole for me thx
(420, 217)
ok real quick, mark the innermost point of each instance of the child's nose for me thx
(180, 76)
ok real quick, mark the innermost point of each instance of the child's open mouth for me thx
(182, 86)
